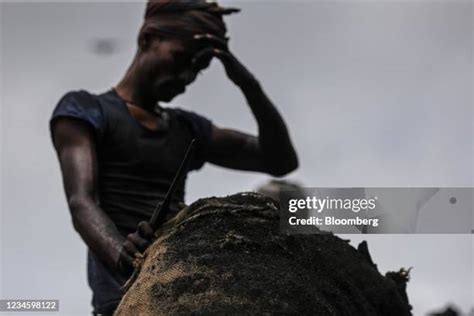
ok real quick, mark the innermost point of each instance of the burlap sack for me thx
(225, 256)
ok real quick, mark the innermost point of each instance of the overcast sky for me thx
(374, 94)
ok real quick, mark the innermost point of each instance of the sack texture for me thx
(225, 256)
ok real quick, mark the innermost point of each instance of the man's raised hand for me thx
(215, 46)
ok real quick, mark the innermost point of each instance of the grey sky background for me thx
(374, 93)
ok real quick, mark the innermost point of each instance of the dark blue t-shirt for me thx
(136, 165)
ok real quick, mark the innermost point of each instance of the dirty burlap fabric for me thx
(225, 256)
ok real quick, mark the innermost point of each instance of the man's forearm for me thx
(98, 231)
(273, 136)
(278, 156)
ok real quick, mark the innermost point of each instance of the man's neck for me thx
(129, 90)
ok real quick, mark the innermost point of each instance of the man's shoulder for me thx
(81, 96)
(83, 100)
(79, 104)
(200, 125)
(187, 114)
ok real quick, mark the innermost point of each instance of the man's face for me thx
(166, 66)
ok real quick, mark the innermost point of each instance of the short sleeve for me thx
(79, 105)
(201, 128)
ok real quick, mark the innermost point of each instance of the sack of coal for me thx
(226, 256)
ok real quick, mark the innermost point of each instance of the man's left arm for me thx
(272, 151)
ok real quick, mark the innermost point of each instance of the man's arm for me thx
(272, 151)
(75, 146)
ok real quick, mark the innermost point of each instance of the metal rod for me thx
(162, 208)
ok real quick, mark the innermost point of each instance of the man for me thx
(119, 150)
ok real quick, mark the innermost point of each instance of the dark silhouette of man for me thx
(119, 150)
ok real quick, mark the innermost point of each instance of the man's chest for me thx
(129, 144)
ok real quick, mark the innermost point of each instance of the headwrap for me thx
(185, 18)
